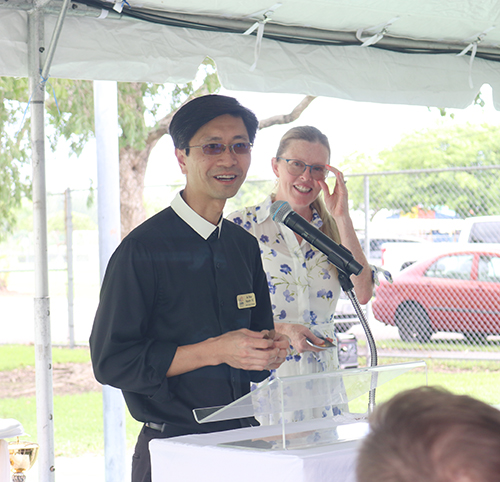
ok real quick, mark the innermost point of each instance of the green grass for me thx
(78, 425)
(21, 356)
(435, 345)
(466, 380)
(478, 378)
(444, 365)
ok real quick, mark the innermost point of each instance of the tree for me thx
(143, 122)
(466, 192)
(14, 152)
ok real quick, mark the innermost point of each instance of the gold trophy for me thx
(22, 457)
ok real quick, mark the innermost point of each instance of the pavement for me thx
(86, 468)
(18, 326)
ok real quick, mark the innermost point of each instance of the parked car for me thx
(345, 314)
(480, 229)
(458, 292)
(398, 256)
(377, 242)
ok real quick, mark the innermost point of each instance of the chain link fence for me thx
(449, 306)
(438, 234)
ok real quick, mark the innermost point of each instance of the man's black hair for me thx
(198, 112)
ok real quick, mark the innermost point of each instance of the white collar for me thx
(203, 227)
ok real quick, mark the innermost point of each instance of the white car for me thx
(375, 256)
(480, 229)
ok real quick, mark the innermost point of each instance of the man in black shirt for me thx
(184, 315)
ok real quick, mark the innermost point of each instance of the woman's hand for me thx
(298, 334)
(337, 201)
(337, 205)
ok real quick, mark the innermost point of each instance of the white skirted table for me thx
(213, 457)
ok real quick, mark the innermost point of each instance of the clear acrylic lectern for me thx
(340, 388)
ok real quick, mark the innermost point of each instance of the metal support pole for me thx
(108, 206)
(55, 37)
(69, 264)
(43, 347)
(366, 180)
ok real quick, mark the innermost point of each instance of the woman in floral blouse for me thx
(303, 284)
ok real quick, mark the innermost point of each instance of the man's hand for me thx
(244, 349)
(251, 350)
(282, 343)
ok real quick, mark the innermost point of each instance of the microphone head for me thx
(280, 210)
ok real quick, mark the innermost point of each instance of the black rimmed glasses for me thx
(216, 148)
(296, 168)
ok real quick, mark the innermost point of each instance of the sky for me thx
(351, 127)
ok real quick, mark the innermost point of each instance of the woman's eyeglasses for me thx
(216, 148)
(296, 168)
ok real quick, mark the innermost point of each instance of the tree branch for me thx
(163, 125)
(287, 118)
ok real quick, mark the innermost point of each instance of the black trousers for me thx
(141, 460)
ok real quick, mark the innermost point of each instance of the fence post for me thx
(69, 264)
(366, 183)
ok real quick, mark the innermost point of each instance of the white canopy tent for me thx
(310, 47)
(430, 52)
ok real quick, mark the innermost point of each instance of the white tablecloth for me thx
(194, 458)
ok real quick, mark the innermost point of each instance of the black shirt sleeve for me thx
(123, 354)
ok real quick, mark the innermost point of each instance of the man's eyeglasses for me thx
(296, 168)
(213, 149)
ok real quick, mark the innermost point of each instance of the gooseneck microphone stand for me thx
(348, 288)
(345, 263)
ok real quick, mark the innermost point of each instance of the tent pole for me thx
(108, 207)
(55, 38)
(43, 347)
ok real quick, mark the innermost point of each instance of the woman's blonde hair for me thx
(312, 134)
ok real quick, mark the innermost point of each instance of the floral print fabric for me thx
(303, 285)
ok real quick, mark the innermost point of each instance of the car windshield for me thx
(485, 232)
(451, 267)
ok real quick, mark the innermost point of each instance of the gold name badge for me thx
(246, 301)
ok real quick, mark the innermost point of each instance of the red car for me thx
(457, 292)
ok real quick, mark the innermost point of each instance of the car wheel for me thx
(413, 323)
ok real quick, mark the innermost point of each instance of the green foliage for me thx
(206, 82)
(73, 115)
(251, 192)
(447, 147)
(140, 108)
(14, 150)
(131, 112)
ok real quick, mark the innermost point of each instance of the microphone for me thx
(337, 254)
